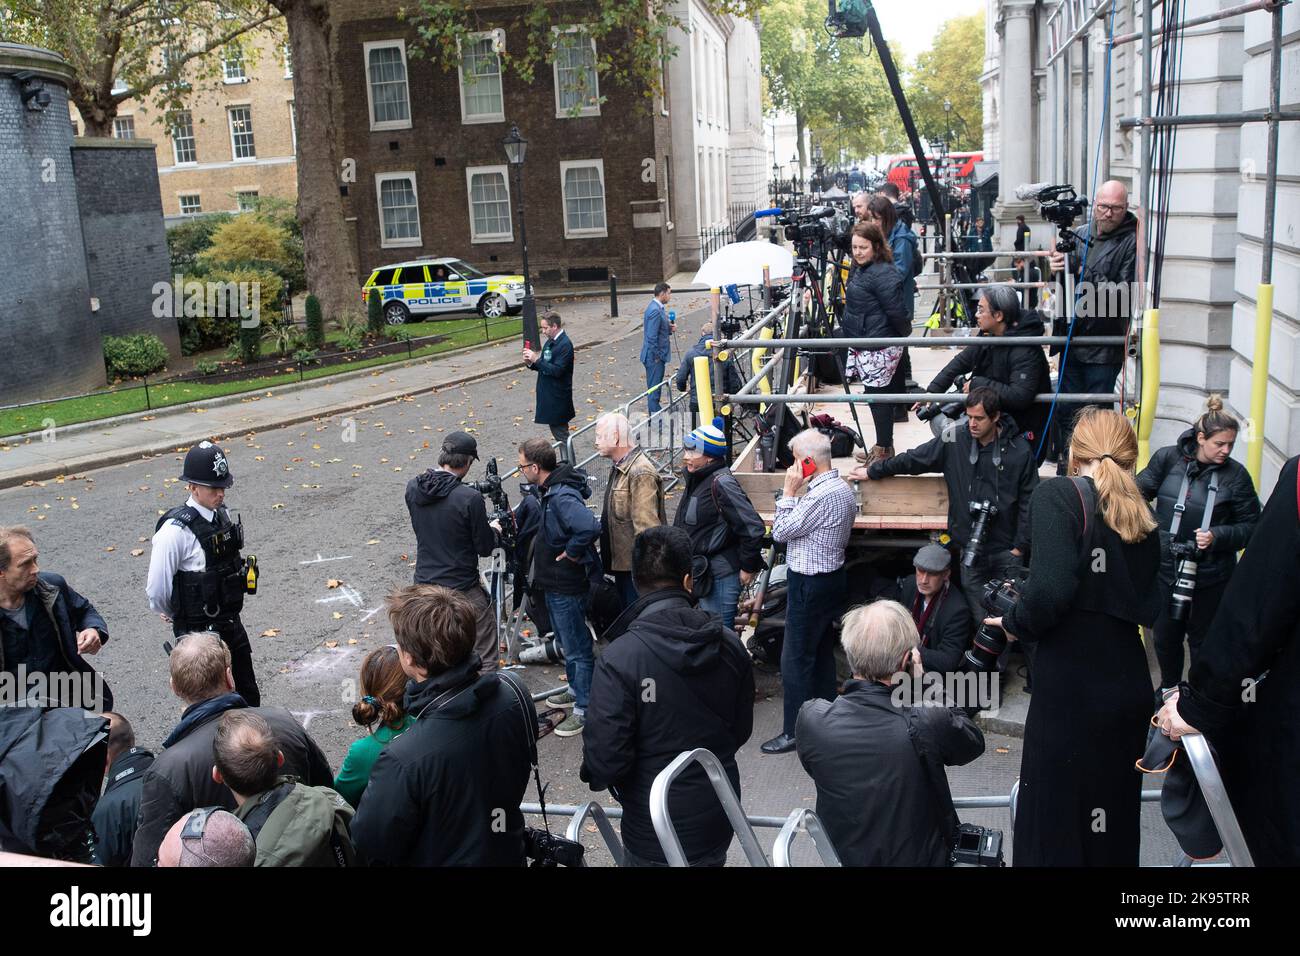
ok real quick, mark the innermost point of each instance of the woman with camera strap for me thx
(1206, 508)
(1092, 584)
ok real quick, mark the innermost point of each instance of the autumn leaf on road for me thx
(333, 583)
(338, 616)
(136, 552)
(271, 632)
(331, 644)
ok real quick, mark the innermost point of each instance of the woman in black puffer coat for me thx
(874, 307)
(1201, 456)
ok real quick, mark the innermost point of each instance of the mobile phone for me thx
(528, 345)
(808, 466)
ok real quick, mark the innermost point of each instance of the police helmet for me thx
(205, 464)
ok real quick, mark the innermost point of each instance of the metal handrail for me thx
(882, 342)
(803, 820)
(597, 813)
(1216, 798)
(662, 819)
(906, 398)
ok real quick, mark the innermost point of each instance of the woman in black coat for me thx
(1092, 582)
(1201, 457)
(874, 307)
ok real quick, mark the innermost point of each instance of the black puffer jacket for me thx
(674, 679)
(874, 305)
(1112, 257)
(447, 791)
(721, 520)
(881, 789)
(1236, 507)
(1016, 374)
(1002, 472)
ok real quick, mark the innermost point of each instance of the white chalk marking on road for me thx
(369, 614)
(320, 560)
(305, 716)
(346, 593)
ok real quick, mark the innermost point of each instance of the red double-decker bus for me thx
(903, 172)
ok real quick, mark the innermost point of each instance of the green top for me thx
(355, 772)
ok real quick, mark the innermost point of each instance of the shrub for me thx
(399, 333)
(315, 323)
(131, 355)
(348, 342)
(188, 239)
(351, 324)
(375, 312)
(304, 356)
(283, 336)
(206, 367)
(250, 345)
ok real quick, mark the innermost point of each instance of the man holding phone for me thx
(815, 530)
(554, 368)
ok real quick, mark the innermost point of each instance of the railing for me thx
(606, 829)
(713, 238)
(803, 820)
(1216, 798)
(662, 819)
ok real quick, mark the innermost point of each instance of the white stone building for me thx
(1214, 235)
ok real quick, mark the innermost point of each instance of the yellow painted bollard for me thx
(757, 362)
(1259, 381)
(703, 388)
(1150, 383)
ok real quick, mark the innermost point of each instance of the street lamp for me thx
(516, 147)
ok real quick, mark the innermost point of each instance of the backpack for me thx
(297, 825)
(918, 264)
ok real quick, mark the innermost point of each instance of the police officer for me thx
(197, 577)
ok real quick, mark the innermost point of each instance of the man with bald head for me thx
(181, 779)
(1104, 300)
(207, 837)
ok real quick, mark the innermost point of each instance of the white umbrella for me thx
(741, 263)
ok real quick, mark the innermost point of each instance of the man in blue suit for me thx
(554, 368)
(655, 341)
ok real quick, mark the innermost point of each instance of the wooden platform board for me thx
(906, 503)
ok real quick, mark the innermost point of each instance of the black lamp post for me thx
(516, 147)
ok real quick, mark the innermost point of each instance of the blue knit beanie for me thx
(708, 439)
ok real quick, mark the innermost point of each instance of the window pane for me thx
(388, 85)
(183, 137)
(233, 63)
(575, 62)
(246, 200)
(241, 132)
(489, 204)
(190, 206)
(384, 277)
(482, 79)
(124, 127)
(401, 215)
(584, 198)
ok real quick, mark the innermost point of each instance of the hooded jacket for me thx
(1112, 258)
(435, 791)
(180, 779)
(451, 530)
(882, 793)
(874, 304)
(567, 526)
(721, 520)
(1236, 507)
(1016, 374)
(1002, 472)
(67, 612)
(672, 680)
(903, 244)
(295, 825)
(118, 808)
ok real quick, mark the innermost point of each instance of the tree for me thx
(834, 88)
(950, 71)
(152, 51)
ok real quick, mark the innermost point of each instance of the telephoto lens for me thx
(545, 652)
(998, 600)
(1180, 598)
(982, 510)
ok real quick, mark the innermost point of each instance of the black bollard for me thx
(613, 296)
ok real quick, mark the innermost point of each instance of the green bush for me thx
(348, 342)
(250, 345)
(399, 333)
(206, 367)
(304, 356)
(375, 312)
(351, 324)
(315, 323)
(131, 355)
(190, 238)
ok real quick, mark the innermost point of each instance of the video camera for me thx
(847, 19)
(1059, 205)
(998, 600)
(490, 487)
(949, 409)
(818, 226)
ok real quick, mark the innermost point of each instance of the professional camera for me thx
(1186, 555)
(982, 512)
(819, 225)
(490, 487)
(949, 409)
(1059, 205)
(999, 598)
(976, 846)
(547, 850)
(847, 19)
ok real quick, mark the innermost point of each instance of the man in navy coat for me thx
(655, 342)
(554, 368)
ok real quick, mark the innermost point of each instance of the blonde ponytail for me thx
(1106, 437)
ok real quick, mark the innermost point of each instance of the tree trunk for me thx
(329, 251)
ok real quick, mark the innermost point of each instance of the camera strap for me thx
(1180, 504)
(529, 714)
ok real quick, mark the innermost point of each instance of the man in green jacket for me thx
(293, 824)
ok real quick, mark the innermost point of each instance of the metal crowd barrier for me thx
(606, 829)
(803, 820)
(1216, 798)
(662, 819)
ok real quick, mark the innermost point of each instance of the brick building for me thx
(604, 186)
(235, 141)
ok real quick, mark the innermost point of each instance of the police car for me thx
(425, 287)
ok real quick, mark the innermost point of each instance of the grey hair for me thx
(812, 444)
(622, 429)
(875, 638)
(226, 842)
(1004, 299)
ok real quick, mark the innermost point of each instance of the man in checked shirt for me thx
(814, 529)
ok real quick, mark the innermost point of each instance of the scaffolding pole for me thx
(1223, 14)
